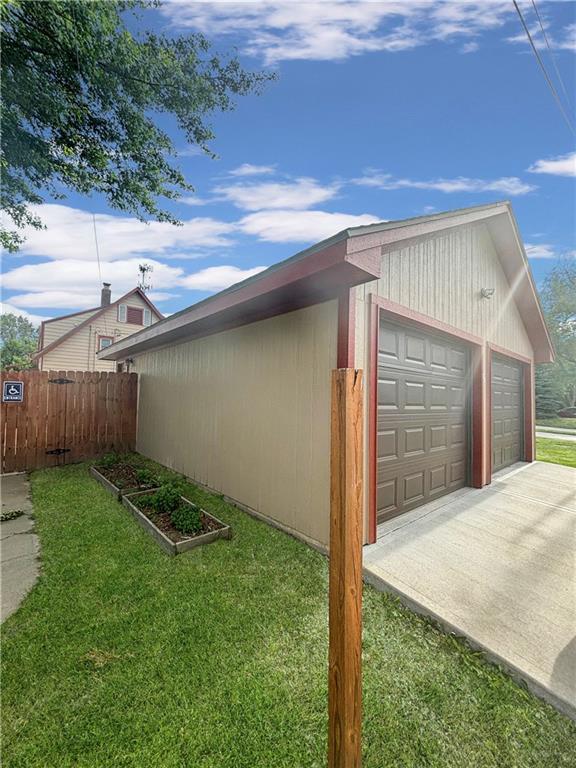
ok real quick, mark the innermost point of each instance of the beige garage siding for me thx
(441, 277)
(247, 412)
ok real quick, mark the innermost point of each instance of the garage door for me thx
(507, 412)
(422, 427)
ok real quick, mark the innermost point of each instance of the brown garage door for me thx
(507, 412)
(422, 427)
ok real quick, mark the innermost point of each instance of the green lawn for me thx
(556, 451)
(122, 656)
(557, 421)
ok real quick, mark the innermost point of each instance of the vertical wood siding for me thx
(247, 412)
(442, 277)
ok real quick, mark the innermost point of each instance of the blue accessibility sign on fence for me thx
(13, 392)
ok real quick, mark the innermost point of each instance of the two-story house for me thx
(72, 342)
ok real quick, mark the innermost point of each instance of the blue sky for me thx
(381, 110)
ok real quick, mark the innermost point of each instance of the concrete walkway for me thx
(19, 546)
(498, 566)
(557, 436)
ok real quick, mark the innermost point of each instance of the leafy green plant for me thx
(145, 477)
(187, 518)
(109, 460)
(166, 499)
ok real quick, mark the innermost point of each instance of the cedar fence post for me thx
(345, 590)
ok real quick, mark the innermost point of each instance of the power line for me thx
(543, 68)
(551, 52)
(97, 249)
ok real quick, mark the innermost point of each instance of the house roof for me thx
(328, 268)
(96, 313)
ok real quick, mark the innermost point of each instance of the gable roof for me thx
(348, 258)
(97, 312)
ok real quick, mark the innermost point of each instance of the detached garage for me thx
(441, 314)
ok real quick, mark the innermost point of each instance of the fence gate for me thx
(49, 418)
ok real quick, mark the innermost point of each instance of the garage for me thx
(507, 412)
(422, 418)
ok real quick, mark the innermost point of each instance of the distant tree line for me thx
(556, 382)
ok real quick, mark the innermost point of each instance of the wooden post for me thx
(345, 591)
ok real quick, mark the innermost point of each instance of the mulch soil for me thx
(163, 520)
(122, 475)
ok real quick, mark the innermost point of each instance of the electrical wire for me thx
(551, 52)
(544, 71)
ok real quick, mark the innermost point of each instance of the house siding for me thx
(247, 413)
(442, 277)
(78, 352)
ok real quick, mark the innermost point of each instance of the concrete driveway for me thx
(497, 565)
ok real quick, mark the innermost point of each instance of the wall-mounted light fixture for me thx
(487, 293)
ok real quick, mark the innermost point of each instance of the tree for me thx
(18, 342)
(82, 92)
(559, 302)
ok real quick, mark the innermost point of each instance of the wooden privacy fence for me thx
(66, 416)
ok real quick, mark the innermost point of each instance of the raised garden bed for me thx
(159, 524)
(119, 479)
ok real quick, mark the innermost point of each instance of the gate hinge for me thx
(61, 381)
(57, 451)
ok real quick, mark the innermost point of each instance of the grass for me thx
(557, 421)
(556, 451)
(124, 657)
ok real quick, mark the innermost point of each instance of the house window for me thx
(135, 316)
(105, 341)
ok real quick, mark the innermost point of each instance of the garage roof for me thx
(325, 270)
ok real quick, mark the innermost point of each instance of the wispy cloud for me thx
(69, 234)
(218, 278)
(10, 309)
(277, 30)
(563, 39)
(561, 165)
(507, 185)
(540, 251)
(247, 169)
(297, 194)
(291, 226)
(78, 282)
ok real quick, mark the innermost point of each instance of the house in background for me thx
(440, 312)
(72, 342)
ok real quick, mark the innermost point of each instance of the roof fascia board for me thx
(319, 275)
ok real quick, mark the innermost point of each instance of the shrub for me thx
(109, 460)
(145, 477)
(187, 519)
(166, 499)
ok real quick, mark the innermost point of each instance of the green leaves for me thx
(18, 342)
(82, 94)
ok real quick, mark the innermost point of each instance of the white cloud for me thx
(247, 169)
(81, 279)
(218, 278)
(300, 226)
(297, 194)
(10, 309)
(507, 185)
(70, 299)
(562, 165)
(562, 40)
(540, 251)
(78, 283)
(70, 235)
(277, 30)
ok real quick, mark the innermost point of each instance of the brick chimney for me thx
(105, 295)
